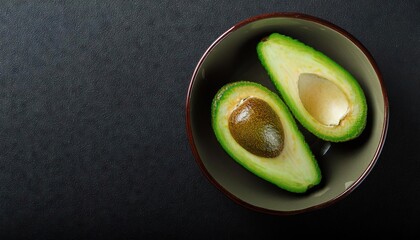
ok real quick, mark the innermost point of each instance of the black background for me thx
(93, 141)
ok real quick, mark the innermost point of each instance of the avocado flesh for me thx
(291, 165)
(324, 97)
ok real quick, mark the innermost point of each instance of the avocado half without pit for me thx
(258, 131)
(324, 97)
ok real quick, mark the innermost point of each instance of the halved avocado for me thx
(257, 130)
(324, 97)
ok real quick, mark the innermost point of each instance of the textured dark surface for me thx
(92, 121)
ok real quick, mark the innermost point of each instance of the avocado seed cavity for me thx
(257, 127)
(323, 99)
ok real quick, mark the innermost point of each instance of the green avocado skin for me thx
(359, 122)
(303, 179)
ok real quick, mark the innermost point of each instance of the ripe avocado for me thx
(324, 97)
(257, 130)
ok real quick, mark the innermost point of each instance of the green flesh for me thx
(291, 165)
(324, 97)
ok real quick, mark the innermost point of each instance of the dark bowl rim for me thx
(325, 23)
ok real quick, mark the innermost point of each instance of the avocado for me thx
(323, 96)
(255, 127)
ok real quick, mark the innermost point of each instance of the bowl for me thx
(232, 57)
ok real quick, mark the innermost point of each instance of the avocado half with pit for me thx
(324, 97)
(257, 130)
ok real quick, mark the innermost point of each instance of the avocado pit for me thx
(323, 99)
(257, 127)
